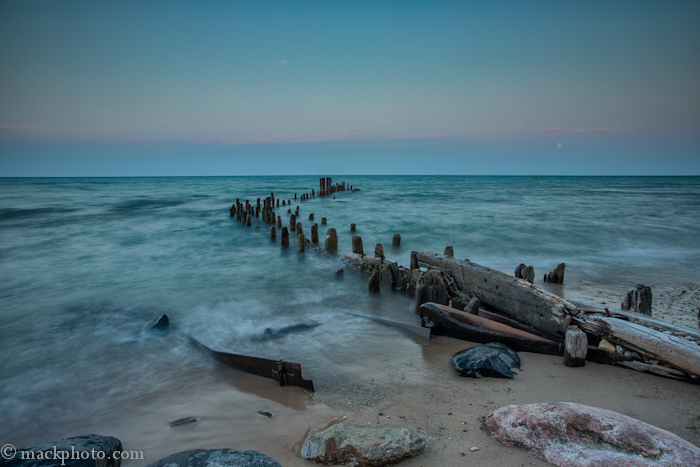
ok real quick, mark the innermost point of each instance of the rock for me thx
(161, 322)
(363, 447)
(81, 451)
(638, 299)
(528, 274)
(218, 458)
(518, 270)
(572, 435)
(607, 346)
(556, 276)
(492, 359)
(473, 306)
(331, 239)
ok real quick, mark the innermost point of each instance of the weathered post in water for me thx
(311, 216)
(556, 276)
(301, 243)
(314, 233)
(357, 245)
(576, 347)
(273, 233)
(375, 280)
(322, 186)
(300, 231)
(293, 223)
(285, 236)
(331, 239)
(449, 251)
(279, 221)
(323, 221)
(379, 251)
(352, 227)
(396, 241)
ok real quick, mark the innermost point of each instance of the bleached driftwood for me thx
(667, 348)
(513, 297)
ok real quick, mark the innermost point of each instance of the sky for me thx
(161, 88)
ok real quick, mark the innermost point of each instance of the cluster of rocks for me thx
(525, 272)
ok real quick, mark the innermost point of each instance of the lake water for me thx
(86, 264)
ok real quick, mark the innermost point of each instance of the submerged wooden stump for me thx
(323, 221)
(279, 221)
(273, 233)
(375, 280)
(285, 236)
(300, 231)
(576, 347)
(557, 275)
(396, 241)
(331, 239)
(293, 223)
(352, 227)
(449, 251)
(311, 216)
(357, 245)
(314, 233)
(638, 299)
(301, 243)
(379, 251)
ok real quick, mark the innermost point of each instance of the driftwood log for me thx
(512, 297)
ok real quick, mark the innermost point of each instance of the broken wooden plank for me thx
(513, 297)
(667, 348)
(442, 324)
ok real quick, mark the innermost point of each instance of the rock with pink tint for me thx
(574, 435)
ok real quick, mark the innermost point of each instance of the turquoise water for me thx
(87, 263)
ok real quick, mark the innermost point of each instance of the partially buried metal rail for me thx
(286, 373)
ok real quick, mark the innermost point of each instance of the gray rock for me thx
(73, 452)
(217, 458)
(557, 275)
(161, 322)
(518, 270)
(573, 435)
(528, 274)
(492, 359)
(363, 447)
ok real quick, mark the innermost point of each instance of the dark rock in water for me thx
(81, 451)
(519, 268)
(492, 359)
(638, 299)
(473, 306)
(161, 322)
(218, 458)
(265, 414)
(528, 274)
(363, 447)
(572, 435)
(340, 271)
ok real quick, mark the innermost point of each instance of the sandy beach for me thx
(418, 388)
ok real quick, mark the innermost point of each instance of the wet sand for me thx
(414, 386)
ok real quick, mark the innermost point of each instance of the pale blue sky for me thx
(179, 88)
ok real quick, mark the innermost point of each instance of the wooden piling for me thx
(396, 241)
(357, 244)
(278, 203)
(247, 220)
(301, 243)
(449, 251)
(300, 231)
(279, 221)
(576, 347)
(285, 236)
(352, 227)
(311, 216)
(375, 280)
(323, 221)
(293, 223)
(379, 251)
(331, 239)
(273, 233)
(314, 233)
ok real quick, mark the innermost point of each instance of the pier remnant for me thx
(279, 221)
(576, 347)
(292, 223)
(273, 233)
(379, 251)
(449, 251)
(525, 272)
(556, 276)
(300, 231)
(396, 240)
(638, 299)
(311, 216)
(331, 239)
(285, 236)
(357, 245)
(314, 233)
(301, 243)
(323, 221)
(375, 280)
(352, 227)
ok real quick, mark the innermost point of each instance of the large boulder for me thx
(574, 435)
(363, 447)
(217, 458)
(80, 451)
(492, 359)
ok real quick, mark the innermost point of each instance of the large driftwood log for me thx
(516, 324)
(513, 297)
(484, 323)
(667, 348)
(442, 324)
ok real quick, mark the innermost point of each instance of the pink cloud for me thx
(345, 135)
(46, 128)
(567, 130)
